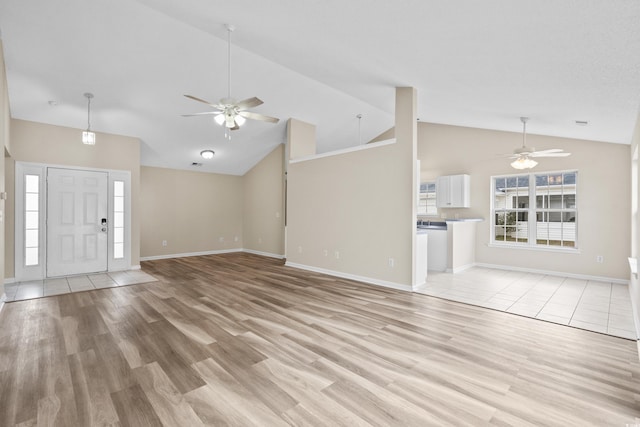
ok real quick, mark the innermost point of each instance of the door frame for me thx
(38, 272)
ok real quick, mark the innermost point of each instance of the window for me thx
(427, 201)
(31, 219)
(550, 221)
(118, 219)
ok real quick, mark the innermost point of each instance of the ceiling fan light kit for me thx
(230, 113)
(524, 155)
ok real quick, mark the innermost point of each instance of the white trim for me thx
(267, 254)
(344, 151)
(459, 269)
(41, 169)
(188, 254)
(554, 273)
(540, 248)
(636, 317)
(135, 267)
(9, 280)
(368, 280)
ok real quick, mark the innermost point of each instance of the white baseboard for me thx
(223, 251)
(340, 274)
(267, 254)
(459, 269)
(188, 254)
(135, 267)
(554, 273)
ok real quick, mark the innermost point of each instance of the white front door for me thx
(77, 212)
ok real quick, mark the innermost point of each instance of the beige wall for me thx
(634, 284)
(192, 211)
(603, 182)
(263, 213)
(305, 139)
(42, 143)
(360, 204)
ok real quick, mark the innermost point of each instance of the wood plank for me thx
(239, 339)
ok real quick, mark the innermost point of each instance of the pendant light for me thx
(88, 137)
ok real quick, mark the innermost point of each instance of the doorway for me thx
(70, 221)
(76, 222)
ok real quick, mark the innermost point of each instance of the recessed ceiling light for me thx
(207, 154)
(582, 122)
(53, 103)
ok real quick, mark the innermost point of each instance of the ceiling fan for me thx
(228, 112)
(524, 155)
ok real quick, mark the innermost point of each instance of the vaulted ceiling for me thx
(474, 63)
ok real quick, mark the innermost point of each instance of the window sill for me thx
(535, 248)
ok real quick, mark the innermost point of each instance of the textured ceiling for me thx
(479, 64)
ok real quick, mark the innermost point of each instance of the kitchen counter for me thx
(451, 243)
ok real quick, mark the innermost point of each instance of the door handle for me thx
(104, 225)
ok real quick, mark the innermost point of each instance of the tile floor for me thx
(595, 306)
(64, 285)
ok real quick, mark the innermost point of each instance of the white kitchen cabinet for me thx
(452, 191)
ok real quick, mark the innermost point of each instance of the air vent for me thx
(196, 164)
(582, 122)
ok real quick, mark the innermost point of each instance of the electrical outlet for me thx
(325, 252)
(299, 249)
(599, 259)
(221, 239)
(392, 262)
(259, 239)
(277, 214)
(235, 239)
(164, 243)
(337, 254)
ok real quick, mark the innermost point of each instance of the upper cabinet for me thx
(452, 191)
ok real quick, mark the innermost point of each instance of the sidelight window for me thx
(31, 219)
(118, 219)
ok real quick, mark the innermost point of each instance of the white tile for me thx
(623, 333)
(105, 284)
(621, 322)
(81, 286)
(551, 318)
(497, 304)
(558, 310)
(588, 326)
(523, 310)
(56, 290)
(29, 290)
(590, 316)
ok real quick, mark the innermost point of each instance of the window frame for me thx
(424, 195)
(532, 210)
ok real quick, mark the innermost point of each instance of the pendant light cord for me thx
(88, 113)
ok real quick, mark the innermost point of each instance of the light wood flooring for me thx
(239, 339)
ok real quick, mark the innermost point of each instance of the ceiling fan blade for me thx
(256, 116)
(544, 154)
(203, 101)
(552, 150)
(206, 113)
(249, 103)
